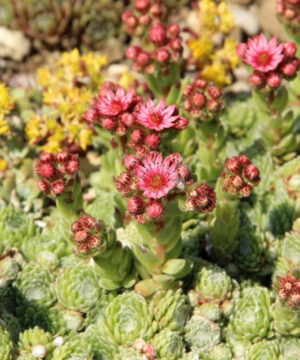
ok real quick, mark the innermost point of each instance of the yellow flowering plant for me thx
(6, 105)
(68, 89)
(215, 59)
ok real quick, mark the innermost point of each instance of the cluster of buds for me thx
(202, 199)
(289, 291)
(203, 100)
(271, 62)
(143, 123)
(145, 14)
(146, 349)
(56, 172)
(89, 234)
(240, 176)
(150, 182)
(289, 13)
(167, 48)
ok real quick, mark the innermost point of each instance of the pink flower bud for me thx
(251, 172)
(294, 2)
(212, 105)
(131, 162)
(142, 5)
(274, 79)
(162, 55)
(141, 150)
(289, 49)
(71, 167)
(288, 69)
(144, 19)
(90, 116)
(128, 119)
(175, 44)
(132, 52)
(181, 123)
(233, 164)
(246, 190)
(87, 221)
(187, 105)
(257, 79)
(155, 209)
(43, 186)
(184, 172)
(236, 181)
(214, 92)
(137, 136)
(94, 242)
(199, 100)
(143, 58)
(46, 171)
(173, 30)
(47, 158)
(75, 227)
(125, 178)
(121, 130)
(158, 34)
(82, 236)
(188, 90)
(153, 141)
(62, 157)
(149, 351)
(240, 50)
(109, 124)
(141, 219)
(244, 160)
(200, 84)
(58, 187)
(83, 248)
(135, 205)
(129, 19)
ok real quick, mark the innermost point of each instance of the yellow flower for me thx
(85, 138)
(227, 55)
(4, 127)
(208, 13)
(3, 165)
(126, 80)
(6, 102)
(55, 141)
(216, 72)
(44, 77)
(226, 18)
(202, 48)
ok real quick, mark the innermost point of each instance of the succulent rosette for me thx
(36, 342)
(168, 344)
(6, 346)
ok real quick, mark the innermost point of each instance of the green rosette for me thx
(129, 317)
(6, 345)
(290, 348)
(75, 348)
(168, 344)
(129, 354)
(251, 318)
(286, 319)
(77, 288)
(201, 334)
(264, 350)
(36, 341)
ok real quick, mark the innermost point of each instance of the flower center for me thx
(157, 182)
(263, 58)
(155, 118)
(116, 106)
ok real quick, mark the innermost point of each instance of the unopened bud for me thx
(135, 205)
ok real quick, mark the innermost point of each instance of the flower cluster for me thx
(56, 172)
(289, 13)
(6, 105)
(202, 198)
(88, 233)
(124, 113)
(166, 49)
(240, 176)
(152, 181)
(203, 100)
(147, 12)
(289, 291)
(271, 62)
(67, 90)
(215, 60)
(146, 349)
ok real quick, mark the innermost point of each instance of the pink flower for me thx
(262, 55)
(156, 177)
(157, 117)
(114, 103)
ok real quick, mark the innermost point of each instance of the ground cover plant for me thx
(155, 216)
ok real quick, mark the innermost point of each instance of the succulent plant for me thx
(6, 346)
(75, 348)
(286, 319)
(129, 354)
(220, 352)
(268, 350)
(168, 344)
(290, 348)
(171, 309)
(36, 342)
(251, 319)
(201, 334)
(77, 288)
(128, 317)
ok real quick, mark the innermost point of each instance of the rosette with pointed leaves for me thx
(201, 334)
(6, 346)
(290, 348)
(171, 309)
(129, 354)
(77, 288)
(168, 345)
(34, 342)
(286, 319)
(103, 347)
(11, 262)
(74, 348)
(251, 319)
(212, 286)
(128, 317)
(220, 352)
(34, 286)
(268, 350)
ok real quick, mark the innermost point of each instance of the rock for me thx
(245, 18)
(13, 44)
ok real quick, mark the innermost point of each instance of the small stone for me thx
(39, 351)
(13, 44)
